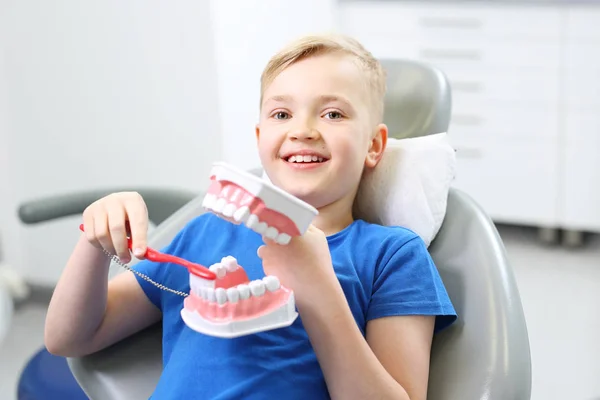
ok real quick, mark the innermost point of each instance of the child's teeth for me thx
(257, 288)
(244, 291)
(241, 214)
(230, 263)
(307, 158)
(229, 210)
(271, 283)
(218, 269)
(220, 295)
(233, 295)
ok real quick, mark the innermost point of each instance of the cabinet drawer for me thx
(581, 183)
(509, 84)
(515, 181)
(582, 89)
(581, 126)
(473, 53)
(582, 55)
(458, 21)
(582, 24)
(478, 125)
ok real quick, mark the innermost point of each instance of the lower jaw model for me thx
(231, 305)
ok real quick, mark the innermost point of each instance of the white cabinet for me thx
(523, 78)
(581, 105)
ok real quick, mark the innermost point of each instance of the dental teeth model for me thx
(241, 197)
(231, 305)
(222, 301)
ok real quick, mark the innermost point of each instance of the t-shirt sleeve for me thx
(408, 283)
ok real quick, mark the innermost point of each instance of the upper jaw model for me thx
(230, 305)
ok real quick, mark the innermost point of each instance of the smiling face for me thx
(317, 131)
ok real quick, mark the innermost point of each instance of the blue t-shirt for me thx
(384, 271)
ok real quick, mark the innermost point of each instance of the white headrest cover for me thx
(409, 187)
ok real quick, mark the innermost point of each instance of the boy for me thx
(369, 297)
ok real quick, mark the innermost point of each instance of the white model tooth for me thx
(271, 233)
(219, 205)
(283, 238)
(209, 200)
(271, 283)
(230, 263)
(218, 269)
(203, 293)
(229, 209)
(244, 291)
(241, 214)
(210, 295)
(196, 283)
(257, 288)
(220, 295)
(233, 295)
(307, 158)
(252, 221)
(261, 227)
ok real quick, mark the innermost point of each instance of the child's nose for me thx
(304, 132)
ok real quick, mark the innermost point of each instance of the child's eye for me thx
(334, 115)
(281, 115)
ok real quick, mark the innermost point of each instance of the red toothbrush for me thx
(156, 256)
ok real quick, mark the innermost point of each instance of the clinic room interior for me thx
(100, 97)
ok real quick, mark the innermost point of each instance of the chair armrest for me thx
(161, 204)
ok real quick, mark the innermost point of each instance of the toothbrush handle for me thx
(156, 256)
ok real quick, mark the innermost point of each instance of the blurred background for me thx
(120, 94)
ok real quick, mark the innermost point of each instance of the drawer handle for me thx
(463, 23)
(468, 87)
(471, 55)
(466, 120)
(471, 153)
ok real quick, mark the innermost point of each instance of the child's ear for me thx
(377, 146)
(257, 131)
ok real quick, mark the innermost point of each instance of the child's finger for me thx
(118, 232)
(138, 223)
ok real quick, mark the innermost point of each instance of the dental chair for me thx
(485, 355)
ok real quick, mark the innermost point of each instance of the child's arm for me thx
(392, 361)
(87, 313)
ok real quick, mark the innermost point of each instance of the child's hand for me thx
(107, 221)
(303, 263)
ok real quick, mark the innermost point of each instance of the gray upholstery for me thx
(485, 355)
(6, 311)
(418, 100)
(161, 204)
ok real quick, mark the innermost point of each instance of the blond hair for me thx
(313, 45)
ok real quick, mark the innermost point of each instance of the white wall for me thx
(89, 84)
(247, 34)
(94, 88)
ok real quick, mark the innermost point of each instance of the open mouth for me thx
(308, 159)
